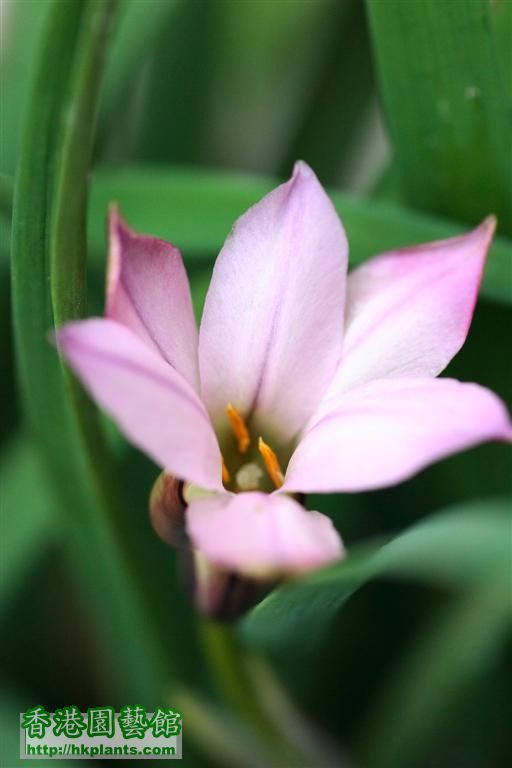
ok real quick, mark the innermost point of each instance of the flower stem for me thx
(230, 674)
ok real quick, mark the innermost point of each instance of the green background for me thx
(185, 112)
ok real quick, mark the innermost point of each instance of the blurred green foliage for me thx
(447, 94)
(399, 654)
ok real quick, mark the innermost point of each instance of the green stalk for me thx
(228, 671)
(231, 673)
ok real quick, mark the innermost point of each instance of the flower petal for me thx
(153, 405)
(271, 333)
(262, 535)
(408, 312)
(148, 292)
(386, 431)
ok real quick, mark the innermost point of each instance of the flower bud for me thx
(219, 594)
(167, 510)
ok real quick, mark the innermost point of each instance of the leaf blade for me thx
(447, 103)
(48, 281)
(457, 549)
(196, 210)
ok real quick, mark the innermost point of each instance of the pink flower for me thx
(300, 379)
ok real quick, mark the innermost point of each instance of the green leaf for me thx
(456, 548)
(21, 28)
(6, 195)
(171, 120)
(8, 397)
(331, 123)
(448, 658)
(224, 739)
(138, 26)
(231, 93)
(29, 521)
(196, 210)
(461, 547)
(48, 260)
(141, 29)
(11, 706)
(448, 103)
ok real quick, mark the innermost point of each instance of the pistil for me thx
(248, 477)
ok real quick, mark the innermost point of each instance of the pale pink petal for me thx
(148, 291)
(262, 535)
(387, 430)
(271, 333)
(153, 405)
(408, 312)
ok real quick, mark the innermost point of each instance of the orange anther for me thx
(239, 428)
(271, 463)
(226, 477)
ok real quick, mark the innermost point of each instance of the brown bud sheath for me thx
(219, 594)
(167, 510)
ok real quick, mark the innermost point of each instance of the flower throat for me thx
(250, 474)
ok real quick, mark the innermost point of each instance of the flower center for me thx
(250, 474)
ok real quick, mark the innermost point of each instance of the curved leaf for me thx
(48, 275)
(448, 659)
(457, 548)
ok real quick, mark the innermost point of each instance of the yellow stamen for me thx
(226, 477)
(239, 428)
(271, 463)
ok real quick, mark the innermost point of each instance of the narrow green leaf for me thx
(462, 547)
(305, 610)
(172, 122)
(337, 102)
(48, 285)
(11, 706)
(21, 28)
(262, 65)
(8, 395)
(225, 740)
(142, 27)
(196, 211)
(67, 204)
(6, 195)
(28, 518)
(448, 103)
(457, 548)
(449, 658)
(139, 25)
(501, 21)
